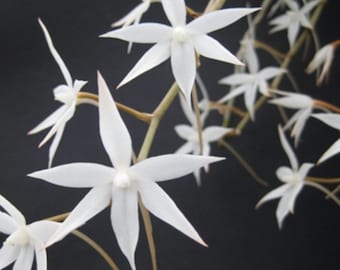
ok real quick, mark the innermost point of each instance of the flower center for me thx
(20, 237)
(122, 180)
(64, 94)
(180, 34)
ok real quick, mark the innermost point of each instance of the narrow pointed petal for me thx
(237, 78)
(270, 72)
(94, 202)
(141, 33)
(185, 148)
(293, 31)
(330, 119)
(56, 56)
(309, 6)
(156, 55)
(185, 132)
(183, 64)
(285, 174)
(249, 100)
(163, 207)
(175, 11)
(125, 223)
(42, 230)
(289, 151)
(304, 169)
(78, 85)
(7, 224)
(198, 179)
(55, 144)
(25, 258)
(40, 256)
(12, 211)
(214, 133)
(113, 132)
(233, 93)
(300, 124)
(274, 194)
(77, 175)
(167, 167)
(50, 120)
(293, 101)
(296, 189)
(211, 48)
(283, 208)
(218, 19)
(132, 15)
(8, 254)
(331, 151)
(59, 124)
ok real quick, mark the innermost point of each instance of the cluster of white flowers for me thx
(128, 182)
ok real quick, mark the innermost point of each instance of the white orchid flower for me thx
(24, 241)
(293, 179)
(122, 184)
(134, 16)
(279, 4)
(323, 59)
(293, 19)
(304, 106)
(332, 120)
(248, 84)
(180, 42)
(66, 94)
(190, 133)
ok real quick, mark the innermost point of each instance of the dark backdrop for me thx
(222, 210)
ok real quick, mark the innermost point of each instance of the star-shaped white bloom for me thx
(190, 133)
(180, 42)
(66, 94)
(293, 19)
(304, 106)
(322, 59)
(293, 179)
(24, 240)
(248, 84)
(122, 184)
(332, 120)
(134, 16)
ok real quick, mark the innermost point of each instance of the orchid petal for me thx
(12, 211)
(211, 48)
(50, 120)
(185, 148)
(113, 132)
(214, 133)
(7, 224)
(175, 11)
(283, 207)
(293, 101)
(293, 31)
(185, 132)
(173, 166)
(233, 93)
(8, 254)
(163, 207)
(274, 194)
(286, 174)
(54, 145)
(59, 124)
(56, 56)
(330, 119)
(125, 223)
(156, 55)
(293, 195)
(289, 151)
(94, 202)
(300, 124)
(42, 230)
(141, 33)
(303, 171)
(132, 15)
(238, 78)
(249, 100)
(331, 151)
(77, 175)
(78, 85)
(183, 63)
(218, 19)
(270, 72)
(25, 258)
(40, 256)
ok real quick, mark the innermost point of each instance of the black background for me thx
(222, 210)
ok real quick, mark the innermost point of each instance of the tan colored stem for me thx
(261, 45)
(323, 104)
(321, 180)
(84, 96)
(223, 108)
(198, 119)
(60, 217)
(97, 248)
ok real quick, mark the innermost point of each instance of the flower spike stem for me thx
(149, 233)
(273, 52)
(97, 248)
(323, 104)
(198, 118)
(86, 97)
(157, 116)
(59, 218)
(243, 162)
(276, 82)
(320, 180)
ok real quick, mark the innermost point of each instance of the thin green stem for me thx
(244, 163)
